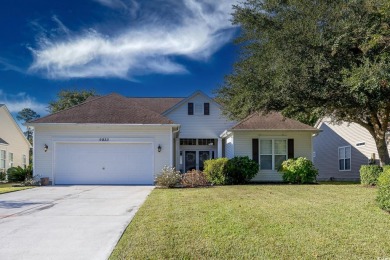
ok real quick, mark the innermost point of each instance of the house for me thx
(341, 149)
(14, 147)
(118, 140)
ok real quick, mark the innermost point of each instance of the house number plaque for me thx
(104, 139)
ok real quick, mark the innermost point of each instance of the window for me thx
(11, 159)
(2, 159)
(272, 153)
(206, 109)
(206, 141)
(187, 141)
(198, 109)
(345, 158)
(24, 161)
(190, 108)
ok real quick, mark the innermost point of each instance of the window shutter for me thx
(190, 108)
(206, 109)
(255, 150)
(290, 147)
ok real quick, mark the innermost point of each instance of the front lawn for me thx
(7, 187)
(258, 221)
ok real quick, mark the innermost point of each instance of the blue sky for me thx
(135, 48)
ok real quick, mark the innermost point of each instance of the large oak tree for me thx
(309, 58)
(69, 98)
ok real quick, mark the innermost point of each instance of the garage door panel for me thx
(80, 163)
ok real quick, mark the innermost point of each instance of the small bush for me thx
(369, 174)
(215, 170)
(240, 170)
(3, 175)
(383, 197)
(17, 174)
(299, 170)
(168, 177)
(193, 179)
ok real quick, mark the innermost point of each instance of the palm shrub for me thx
(240, 170)
(215, 170)
(383, 197)
(299, 170)
(369, 174)
(19, 174)
(3, 175)
(168, 177)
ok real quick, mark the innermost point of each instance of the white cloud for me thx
(16, 102)
(196, 31)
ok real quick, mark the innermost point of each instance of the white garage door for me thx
(82, 163)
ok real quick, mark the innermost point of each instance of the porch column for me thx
(177, 154)
(219, 148)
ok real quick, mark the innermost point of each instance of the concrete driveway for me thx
(66, 222)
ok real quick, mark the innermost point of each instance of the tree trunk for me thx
(380, 141)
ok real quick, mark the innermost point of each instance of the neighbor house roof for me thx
(110, 109)
(2, 141)
(271, 121)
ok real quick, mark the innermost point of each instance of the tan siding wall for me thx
(243, 147)
(332, 137)
(45, 135)
(200, 126)
(11, 133)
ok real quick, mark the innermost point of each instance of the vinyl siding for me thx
(159, 135)
(243, 147)
(17, 143)
(200, 126)
(332, 137)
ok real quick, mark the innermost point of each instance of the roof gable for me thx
(271, 121)
(5, 109)
(110, 109)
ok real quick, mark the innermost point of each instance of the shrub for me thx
(168, 177)
(299, 170)
(240, 170)
(369, 174)
(3, 175)
(193, 179)
(383, 197)
(16, 174)
(215, 170)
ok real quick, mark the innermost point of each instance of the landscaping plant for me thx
(215, 170)
(193, 179)
(299, 170)
(383, 197)
(168, 177)
(369, 174)
(19, 174)
(240, 170)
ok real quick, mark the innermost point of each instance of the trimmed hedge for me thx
(299, 170)
(215, 170)
(240, 170)
(383, 197)
(369, 174)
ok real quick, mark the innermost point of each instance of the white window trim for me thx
(11, 162)
(273, 153)
(3, 159)
(350, 158)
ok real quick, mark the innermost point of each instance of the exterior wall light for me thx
(45, 148)
(159, 148)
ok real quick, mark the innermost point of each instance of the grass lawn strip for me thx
(258, 221)
(7, 187)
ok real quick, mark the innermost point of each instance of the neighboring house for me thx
(14, 147)
(118, 140)
(341, 149)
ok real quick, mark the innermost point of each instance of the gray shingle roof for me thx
(110, 109)
(271, 121)
(2, 141)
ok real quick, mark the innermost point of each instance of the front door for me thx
(194, 160)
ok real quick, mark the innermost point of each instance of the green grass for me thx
(7, 187)
(258, 222)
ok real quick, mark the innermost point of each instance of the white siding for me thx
(11, 133)
(332, 137)
(200, 126)
(243, 147)
(160, 135)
